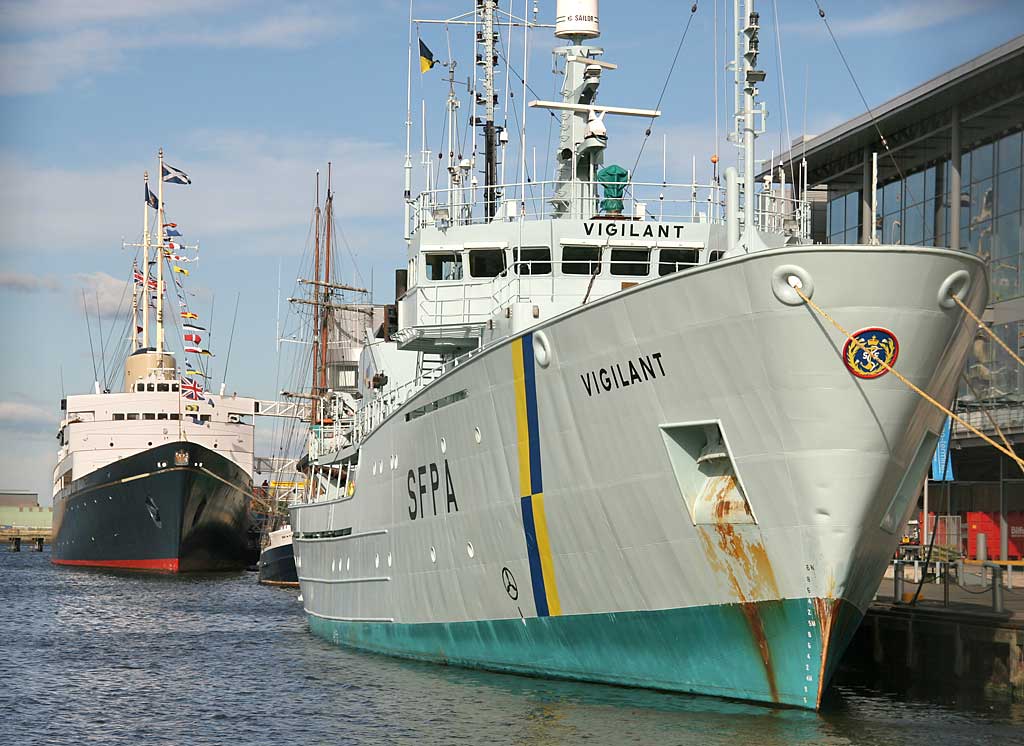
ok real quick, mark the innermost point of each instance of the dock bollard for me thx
(997, 587)
(897, 582)
(945, 584)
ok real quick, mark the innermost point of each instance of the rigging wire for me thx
(783, 147)
(870, 113)
(661, 96)
(88, 327)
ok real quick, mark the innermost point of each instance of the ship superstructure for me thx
(633, 448)
(157, 476)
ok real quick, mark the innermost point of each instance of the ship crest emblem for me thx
(876, 353)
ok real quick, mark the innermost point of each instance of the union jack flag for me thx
(139, 279)
(191, 389)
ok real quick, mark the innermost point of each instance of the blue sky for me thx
(250, 98)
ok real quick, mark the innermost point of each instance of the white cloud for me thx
(25, 283)
(66, 49)
(893, 17)
(23, 415)
(48, 14)
(244, 185)
(98, 290)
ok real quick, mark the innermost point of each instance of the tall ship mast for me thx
(331, 321)
(650, 435)
(157, 476)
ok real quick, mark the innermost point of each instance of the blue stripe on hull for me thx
(702, 650)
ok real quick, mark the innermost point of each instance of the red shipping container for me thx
(988, 524)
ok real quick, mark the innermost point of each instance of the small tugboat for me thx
(157, 476)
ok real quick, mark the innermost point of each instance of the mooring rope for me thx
(903, 379)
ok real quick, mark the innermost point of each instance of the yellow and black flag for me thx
(427, 60)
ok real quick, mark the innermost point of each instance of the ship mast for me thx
(324, 325)
(160, 260)
(146, 240)
(746, 76)
(490, 153)
(316, 294)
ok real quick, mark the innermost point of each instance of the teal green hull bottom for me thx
(768, 651)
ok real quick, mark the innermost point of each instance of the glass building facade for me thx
(914, 210)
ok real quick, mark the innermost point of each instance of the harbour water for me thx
(116, 658)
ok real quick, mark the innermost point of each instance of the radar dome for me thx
(577, 19)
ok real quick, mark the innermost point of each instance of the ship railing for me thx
(378, 408)
(477, 300)
(583, 200)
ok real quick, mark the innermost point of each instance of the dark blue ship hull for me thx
(178, 507)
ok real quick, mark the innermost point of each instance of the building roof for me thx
(988, 90)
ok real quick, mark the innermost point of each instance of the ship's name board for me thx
(629, 229)
(428, 477)
(619, 375)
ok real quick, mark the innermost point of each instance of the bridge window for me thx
(532, 261)
(446, 266)
(163, 387)
(175, 416)
(673, 260)
(140, 387)
(118, 416)
(133, 415)
(631, 262)
(161, 415)
(581, 260)
(486, 262)
(714, 256)
(149, 416)
(151, 387)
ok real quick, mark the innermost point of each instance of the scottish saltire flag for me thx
(942, 463)
(174, 175)
(151, 199)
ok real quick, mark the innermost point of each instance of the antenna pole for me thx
(490, 154)
(160, 261)
(146, 240)
(408, 136)
(748, 76)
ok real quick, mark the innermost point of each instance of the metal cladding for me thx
(577, 19)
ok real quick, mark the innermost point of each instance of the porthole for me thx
(444, 446)
(433, 555)
(470, 550)
(151, 443)
(477, 436)
(111, 444)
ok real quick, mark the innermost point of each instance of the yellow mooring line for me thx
(861, 346)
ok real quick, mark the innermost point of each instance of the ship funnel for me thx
(577, 20)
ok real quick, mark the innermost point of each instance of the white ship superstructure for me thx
(632, 451)
(157, 476)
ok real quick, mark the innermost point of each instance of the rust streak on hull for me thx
(753, 616)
